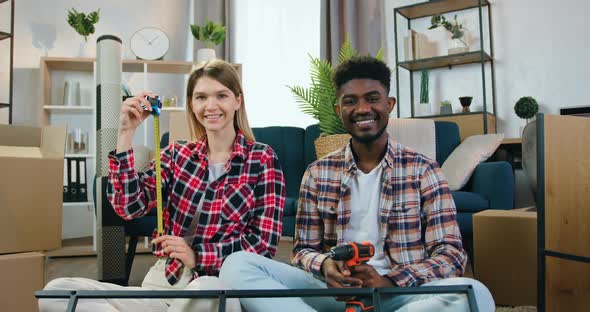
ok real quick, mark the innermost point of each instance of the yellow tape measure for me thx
(156, 106)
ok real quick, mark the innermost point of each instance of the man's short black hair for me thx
(362, 67)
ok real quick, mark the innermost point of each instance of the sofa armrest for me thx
(494, 181)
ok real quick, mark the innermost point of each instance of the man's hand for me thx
(370, 277)
(337, 275)
(176, 247)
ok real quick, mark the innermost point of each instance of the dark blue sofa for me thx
(490, 187)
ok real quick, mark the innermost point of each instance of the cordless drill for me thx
(353, 254)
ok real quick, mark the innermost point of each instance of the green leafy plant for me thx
(445, 103)
(454, 27)
(319, 99)
(526, 107)
(424, 74)
(210, 34)
(82, 23)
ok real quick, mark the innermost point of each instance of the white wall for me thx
(41, 29)
(540, 50)
(272, 41)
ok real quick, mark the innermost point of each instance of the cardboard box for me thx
(505, 254)
(31, 188)
(22, 275)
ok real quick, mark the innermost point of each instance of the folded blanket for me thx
(417, 134)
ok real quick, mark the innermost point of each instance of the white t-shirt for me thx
(365, 193)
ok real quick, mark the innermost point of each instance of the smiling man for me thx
(376, 190)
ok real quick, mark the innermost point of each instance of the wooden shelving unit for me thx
(487, 119)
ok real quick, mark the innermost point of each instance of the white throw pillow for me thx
(460, 165)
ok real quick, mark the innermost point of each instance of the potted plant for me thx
(211, 34)
(319, 99)
(424, 108)
(456, 30)
(526, 108)
(82, 23)
(446, 108)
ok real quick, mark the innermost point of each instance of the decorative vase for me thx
(446, 109)
(204, 55)
(82, 49)
(458, 46)
(465, 102)
(424, 109)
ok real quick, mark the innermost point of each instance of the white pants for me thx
(154, 280)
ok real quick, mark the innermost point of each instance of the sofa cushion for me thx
(287, 142)
(470, 202)
(311, 134)
(290, 206)
(476, 149)
(447, 139)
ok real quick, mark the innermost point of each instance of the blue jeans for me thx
(243, 270)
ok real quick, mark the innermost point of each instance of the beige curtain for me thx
(217, 11)
(363, 20)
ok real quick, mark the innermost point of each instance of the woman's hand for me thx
(134, 111)
(177, 248)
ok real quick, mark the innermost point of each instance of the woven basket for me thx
(327, 144)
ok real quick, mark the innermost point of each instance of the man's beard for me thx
(369, 139)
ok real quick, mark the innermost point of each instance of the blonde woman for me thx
(225, 194)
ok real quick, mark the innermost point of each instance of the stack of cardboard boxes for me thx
(505, 254)
(31, 165)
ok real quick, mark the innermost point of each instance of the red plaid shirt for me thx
(417, 213)
(242, 210)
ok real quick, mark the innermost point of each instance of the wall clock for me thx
(149, 43)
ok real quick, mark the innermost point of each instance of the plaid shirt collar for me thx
(391, 153)
(239, 150)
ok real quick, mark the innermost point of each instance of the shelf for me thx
(4, 35)
(162, 67)
(73, 204)
(453, 115)
(69, 63)
(433, 7)
(445, 61)
(173, 109)
(129, 66)
(64, 108)
(78, 156)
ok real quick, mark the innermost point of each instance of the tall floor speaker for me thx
(110, 232)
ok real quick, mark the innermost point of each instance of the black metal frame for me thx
(479, 6)
(10, 36)
(540, 212)
(223, 295)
